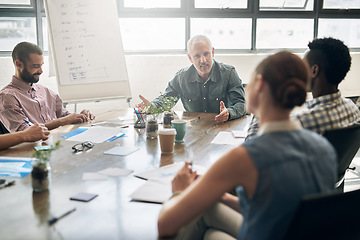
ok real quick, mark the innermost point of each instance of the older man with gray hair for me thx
(205, 86)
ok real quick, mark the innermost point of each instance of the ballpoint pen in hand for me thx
(28, 122)
(55, 219)
(191, 165)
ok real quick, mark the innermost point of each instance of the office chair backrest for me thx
(327, 216)
(3, 129)
(346, 142)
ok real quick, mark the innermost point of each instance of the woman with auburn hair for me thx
(271, 172)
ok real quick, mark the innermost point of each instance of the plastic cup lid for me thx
(167, 131)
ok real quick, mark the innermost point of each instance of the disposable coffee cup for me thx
(167, 139)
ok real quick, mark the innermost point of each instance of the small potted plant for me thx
(167, 103)
(40, 174)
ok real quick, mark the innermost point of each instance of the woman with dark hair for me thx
(271, 172)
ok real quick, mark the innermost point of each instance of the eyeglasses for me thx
(82, 146)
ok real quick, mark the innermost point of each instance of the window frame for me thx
(35, 9)
(188, 11)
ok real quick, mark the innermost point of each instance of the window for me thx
(15, 2)
(287, 5)
(220, 3)
(152, 33)
(347, 30)
(14, 30)
(45, 35)
(341, 4)
(152, 3)
(224, 33)
(284, 33)
(158, 26)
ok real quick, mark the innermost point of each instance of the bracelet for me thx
(175, 194)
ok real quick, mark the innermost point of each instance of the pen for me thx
(8, 184)
(139, 115)
(55, 219)
(28, 122)
(191, 165)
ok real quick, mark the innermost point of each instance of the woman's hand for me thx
(184, 178)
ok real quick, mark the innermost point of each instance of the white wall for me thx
(149, 75)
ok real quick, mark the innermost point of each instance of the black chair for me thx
(330, 216)
(3, 129)
(346, 142)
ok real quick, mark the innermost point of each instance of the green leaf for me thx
(42, 153)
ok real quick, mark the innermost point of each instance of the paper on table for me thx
(94, 176)
(155, 191)
(356, 160)
(96, 134)
(166, 173)
(121, 150)
(239, 134)
(75, 132)
(353, 175)
(116, 172)
(15, 166)
(158, 187)
(227, 138)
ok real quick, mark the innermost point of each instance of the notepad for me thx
(154, 191)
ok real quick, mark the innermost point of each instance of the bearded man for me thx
(23, 102)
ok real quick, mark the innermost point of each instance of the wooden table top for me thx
(112, 215)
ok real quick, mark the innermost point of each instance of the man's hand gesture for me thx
(223, 115)
(144, 104)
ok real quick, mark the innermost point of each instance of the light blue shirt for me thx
(291, 163)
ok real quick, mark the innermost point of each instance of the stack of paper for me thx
(157, 189)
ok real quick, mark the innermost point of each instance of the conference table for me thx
(112, 214)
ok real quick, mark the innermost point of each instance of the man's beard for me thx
(28, 77)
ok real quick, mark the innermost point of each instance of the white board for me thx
(87, 49)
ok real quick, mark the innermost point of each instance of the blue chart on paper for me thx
(16, 167)
(75, 132)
